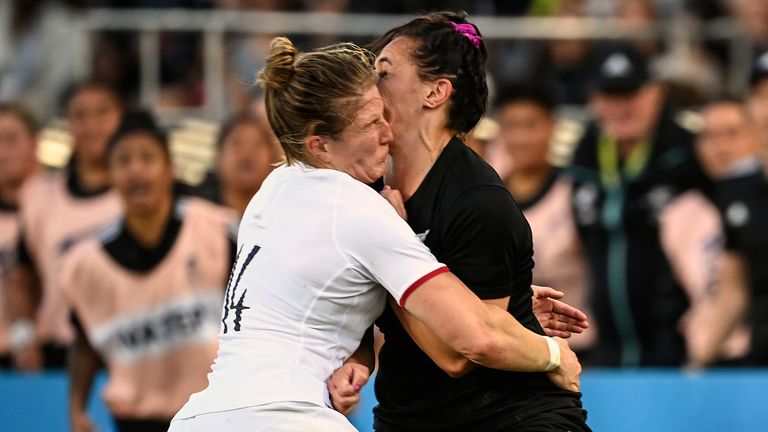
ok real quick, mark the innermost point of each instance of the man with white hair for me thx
(631, 163)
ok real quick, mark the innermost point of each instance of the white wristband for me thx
(554, 354)
(21, 334)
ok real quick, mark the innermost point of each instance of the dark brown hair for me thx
(22, 114)
(443, 52)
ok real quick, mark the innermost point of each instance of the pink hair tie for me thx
(469, 32)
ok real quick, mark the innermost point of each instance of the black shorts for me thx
(540, 415)
(134, 425)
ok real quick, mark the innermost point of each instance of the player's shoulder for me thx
(85, 254)
(207, 214)
(748, 187)
(192, 206)
(357, 194)
(39, 187)
(466, 168)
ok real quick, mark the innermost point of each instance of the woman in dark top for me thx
(433, 79)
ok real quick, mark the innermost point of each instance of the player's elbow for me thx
(482, 348)
(456, 367)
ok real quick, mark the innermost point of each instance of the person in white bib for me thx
(318, 252)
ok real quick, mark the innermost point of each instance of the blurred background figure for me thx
(752, 16)
(525, 112)
(632, 162)
(729, 146)
(676, 261)
(246, 156)
(757, 99)
(56, 212)
(482, 136)
(147, 293)
(642, 16)
(567, 60)
(18, 142)
(40, 54)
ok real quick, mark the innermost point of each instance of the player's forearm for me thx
(365, 354)
(23, 294)
(445, 357)
(83, 364)
(485, 334)
(728, 308)
(511, 346)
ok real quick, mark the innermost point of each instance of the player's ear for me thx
(318, 149)
(438, 92)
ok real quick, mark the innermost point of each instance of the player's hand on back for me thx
(345, 384)
(396, 200)
(556, 317)
(568, 375)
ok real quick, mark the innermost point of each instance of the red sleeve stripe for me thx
(420, 282)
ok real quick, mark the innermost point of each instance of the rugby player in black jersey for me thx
(433, 79)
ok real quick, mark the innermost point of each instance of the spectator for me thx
(757, 102)
(568, 58)
(116, 63)
(18, 136)
(482, 136)
(526, 116)
(629, 165)
(642, 16)
(730, 145)
(246, 156)
(39, 53)
(147, 293)
(56, 212)
(752, 17)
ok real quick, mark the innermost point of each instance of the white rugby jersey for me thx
(315, 247)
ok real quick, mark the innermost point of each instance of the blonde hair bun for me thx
(279, 70)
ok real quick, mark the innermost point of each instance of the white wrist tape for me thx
(554, 354)
(21, 334)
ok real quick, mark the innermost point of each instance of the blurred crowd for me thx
(47, 55)
(648, 214)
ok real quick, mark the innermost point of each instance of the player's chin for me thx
(141, 205)
(370, 175)
(378, 171)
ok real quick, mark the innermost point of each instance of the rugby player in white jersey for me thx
(316, 246)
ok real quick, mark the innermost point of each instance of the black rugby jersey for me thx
(465, 215)
(743, 202)
(636, 299)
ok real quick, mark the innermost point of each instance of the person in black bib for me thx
(57, 210)
(743, 201)
(146, 294)
(433, 79)
(730, 145)
(18, 164)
